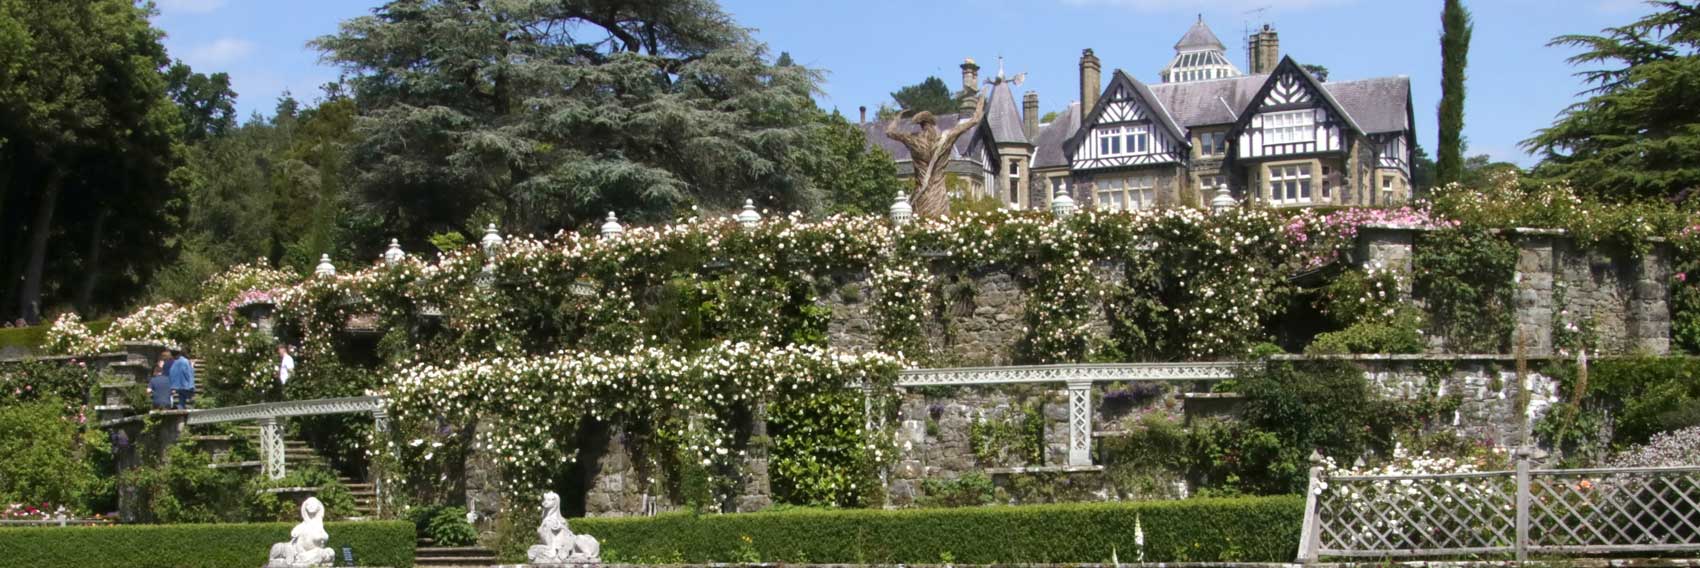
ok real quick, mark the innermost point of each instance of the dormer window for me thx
(1289, 127)
(1124, 140)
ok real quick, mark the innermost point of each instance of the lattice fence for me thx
(1506, 513)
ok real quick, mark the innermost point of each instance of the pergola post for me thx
(1079, 423)
(271, 448)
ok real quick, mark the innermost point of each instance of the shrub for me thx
(971, 489)
(1642, 396)
(339, 502)
(388, 543)
(186, 490)
(447, 526)
(1399, 335)
(44, 458)
(1262, 529)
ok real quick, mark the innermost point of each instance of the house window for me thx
(1207, 185)
(1126, 194)
(1109, 141)
(1137, 137)
(1387, 189)
(1289, 127)
(1327, 176)
(1014, 168)
(1212, 144)
(1289, 185)
(1059, 186)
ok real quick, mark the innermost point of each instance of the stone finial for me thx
(492, 241)
(901, 211)
(612, 227)
(749, 217)
(306, 546)
(394, 254)
(560, 545)
(325, 268)
(1062, 205)
(1223, 201)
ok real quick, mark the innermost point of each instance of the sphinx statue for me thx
(560, 545)
(306, 546)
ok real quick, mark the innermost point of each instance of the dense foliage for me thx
(930, 95)
(1196, 530)
(90, 137)
(1637, 136)
(1620, 402)
(1455, 31)
(374, 543)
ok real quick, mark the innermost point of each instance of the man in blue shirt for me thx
(182, 374)
(159, 386)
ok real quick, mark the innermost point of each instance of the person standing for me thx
(182, 373)
(159, 387)
(285, 367)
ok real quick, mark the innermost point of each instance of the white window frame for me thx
(1289, 127)
(1131, 193)
(1290, 184)
(1140, 133)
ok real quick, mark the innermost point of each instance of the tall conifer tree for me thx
(1454, 55)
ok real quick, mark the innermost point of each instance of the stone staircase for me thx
(297, 453)
(425, 554)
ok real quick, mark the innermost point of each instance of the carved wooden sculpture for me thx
(929, 153)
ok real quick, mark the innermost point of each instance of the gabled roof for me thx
(1048, 147)
(1153, 106)
(1199, 38)
(1378, 104)
(1287, 65)
(1003, 117)
(1211, 101)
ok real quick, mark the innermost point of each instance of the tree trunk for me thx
(91, 268)
(29, 297)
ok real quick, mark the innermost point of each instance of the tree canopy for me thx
(85, 119)
(1637, 136)
(544, 114)
(929, 95)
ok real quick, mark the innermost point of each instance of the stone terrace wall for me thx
(976, 317)
(1626, 297)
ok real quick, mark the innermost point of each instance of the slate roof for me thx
(1376, 105)
(1198, 38)
(1048, 148)
(1379, 104)
(1003, 117)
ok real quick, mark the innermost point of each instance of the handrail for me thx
(1084, 372)
(287, 409)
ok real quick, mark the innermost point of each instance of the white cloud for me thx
(1207, 5)
(189, 6)
(221, 51)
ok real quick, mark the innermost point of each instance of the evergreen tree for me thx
(1454, 56)
(855, 177)
(546, 114)
(207, 101)
(1637, 136)
(929, 95)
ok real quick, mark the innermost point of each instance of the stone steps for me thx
(425, 555)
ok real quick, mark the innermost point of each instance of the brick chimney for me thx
(970, 86)
(1089, 86)
(1030, 114)
(1265, 50)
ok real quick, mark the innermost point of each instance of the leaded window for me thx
(1289, 185)
(1289, 127)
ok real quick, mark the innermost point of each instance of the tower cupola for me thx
(1199, 56)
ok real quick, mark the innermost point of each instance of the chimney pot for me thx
(864, 111)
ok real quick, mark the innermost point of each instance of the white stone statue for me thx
(306, 546)
(560, 545)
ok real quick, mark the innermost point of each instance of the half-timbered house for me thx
(1278, 135)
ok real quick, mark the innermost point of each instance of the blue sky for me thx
(871, 47)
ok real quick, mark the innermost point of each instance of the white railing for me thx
(1078, 378)
(1502, 513)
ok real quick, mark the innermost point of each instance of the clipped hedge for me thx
(1250, 529)
(375, 543)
